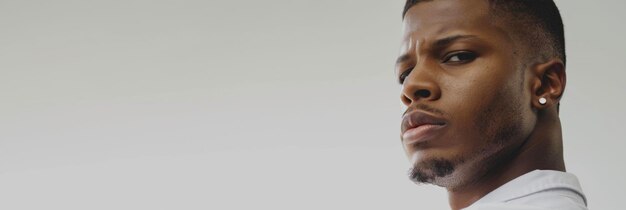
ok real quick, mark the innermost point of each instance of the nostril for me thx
(406, 100)
(422, 93)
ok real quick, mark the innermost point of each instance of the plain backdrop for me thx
(275, 104)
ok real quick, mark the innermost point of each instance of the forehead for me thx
(431, 19)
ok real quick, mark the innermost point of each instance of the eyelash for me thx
(404, 75)
(471, 55)
(446, 60)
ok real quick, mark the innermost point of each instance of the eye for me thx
(404, 75)
(460, 57)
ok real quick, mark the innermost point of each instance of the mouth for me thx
(420, 127)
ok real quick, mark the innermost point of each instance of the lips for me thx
(419, 126)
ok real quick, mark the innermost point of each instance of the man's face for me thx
(468, 104)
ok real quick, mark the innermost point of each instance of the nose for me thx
(420, 85)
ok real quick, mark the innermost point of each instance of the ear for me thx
(549, 83)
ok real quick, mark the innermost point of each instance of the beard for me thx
(500, 125)
(427, 171)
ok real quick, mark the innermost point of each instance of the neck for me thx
(542, 150)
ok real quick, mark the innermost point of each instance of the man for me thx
(482, 81)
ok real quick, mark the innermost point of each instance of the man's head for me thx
(472, 73)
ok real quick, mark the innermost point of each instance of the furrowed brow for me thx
(442, 43)
(438, 44)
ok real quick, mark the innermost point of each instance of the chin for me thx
(450, 173)
(440, 172)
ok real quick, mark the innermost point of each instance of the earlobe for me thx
(549, 83)
(542, 103)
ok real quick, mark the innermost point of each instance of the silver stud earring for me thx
(543, 101)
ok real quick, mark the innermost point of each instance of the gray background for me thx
(277, 104)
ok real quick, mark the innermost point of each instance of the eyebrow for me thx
(440, 43)
(403, 58)
(449, 40)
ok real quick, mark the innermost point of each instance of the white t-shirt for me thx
(536, 190)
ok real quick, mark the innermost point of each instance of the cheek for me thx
(480, 101)
(468, 98)
(481, 83)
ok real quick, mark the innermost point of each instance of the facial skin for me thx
(479, 90)
(475, 83)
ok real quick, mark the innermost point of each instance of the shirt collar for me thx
(532, 182)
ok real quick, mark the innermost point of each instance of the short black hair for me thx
(537, 22)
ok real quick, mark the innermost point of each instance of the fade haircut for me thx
(536, 23)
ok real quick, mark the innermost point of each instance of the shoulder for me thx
(550, 199)
(537, 190)
(506, 206)
(503, 207)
